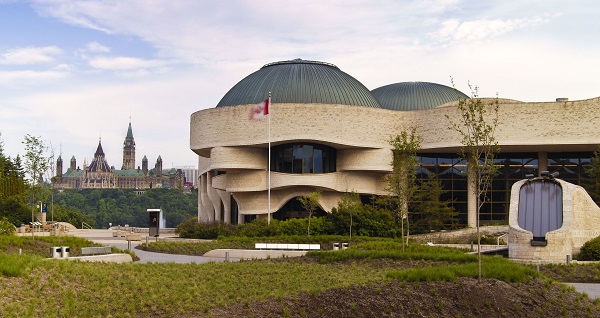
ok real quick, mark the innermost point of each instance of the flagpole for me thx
(269, 164)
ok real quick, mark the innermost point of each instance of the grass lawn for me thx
(33, 286)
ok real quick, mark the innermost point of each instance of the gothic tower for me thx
(73, 164)
(129, 150)
(158, 167)
(59, 167)
(145, 165)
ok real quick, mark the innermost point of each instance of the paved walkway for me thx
(105, 237)
(592, 290)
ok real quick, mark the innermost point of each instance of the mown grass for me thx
(492, 267)
(199, 248)
(393, 250)
(40, 246)
(166, 289)
(94, 289)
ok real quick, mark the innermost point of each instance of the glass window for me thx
(303, 158)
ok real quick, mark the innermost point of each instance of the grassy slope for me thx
(47, 288)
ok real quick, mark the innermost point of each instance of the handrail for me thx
(505, 234)
(86, 226)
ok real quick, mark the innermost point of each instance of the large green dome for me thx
(415, 95)
(299, 81)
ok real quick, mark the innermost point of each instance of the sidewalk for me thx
(105, 237)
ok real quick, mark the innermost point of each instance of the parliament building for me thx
(100, 175)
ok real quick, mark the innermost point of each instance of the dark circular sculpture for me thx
(299, 81)
(415, 95)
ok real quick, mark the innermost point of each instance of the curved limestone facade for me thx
(233, 150)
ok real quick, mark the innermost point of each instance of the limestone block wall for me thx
(581, 223)
(225, 139)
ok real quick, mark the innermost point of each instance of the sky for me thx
(77, 72)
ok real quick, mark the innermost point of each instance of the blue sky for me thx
(76, 71)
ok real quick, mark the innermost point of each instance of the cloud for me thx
(13, 78)
(95, 47)
(455, 30)
(130, 66)
(30, 55)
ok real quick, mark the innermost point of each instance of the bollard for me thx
(568, 258)
(227, 256)
(20, 251)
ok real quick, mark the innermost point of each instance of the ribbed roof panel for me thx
(415, 95)
(299, 81)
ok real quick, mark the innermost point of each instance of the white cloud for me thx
(129, 66)
(14, 78)
(30, 55)
(95, 47)
(453, 30)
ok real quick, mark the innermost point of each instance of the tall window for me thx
(303, 158)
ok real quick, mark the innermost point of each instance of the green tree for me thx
(350, 203)
(476, 124)
(310, 203)
(36, 164)
(434, 214)
(591, 181)
(401, 182)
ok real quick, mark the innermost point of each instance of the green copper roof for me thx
(129, 133)
(129, 173)
(415, 95)
(299, 81)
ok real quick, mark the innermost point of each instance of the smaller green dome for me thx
(415, 95)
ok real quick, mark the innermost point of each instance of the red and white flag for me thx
(260, 110)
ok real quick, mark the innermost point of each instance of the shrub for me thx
(590, 251)
(6, 228)
(192, 229)
(258, 228)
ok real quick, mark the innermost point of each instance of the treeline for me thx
(126, 206)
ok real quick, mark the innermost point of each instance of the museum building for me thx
(327, 131)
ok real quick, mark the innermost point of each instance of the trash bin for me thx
(336, 246)
(344, 246)
(65, 252)
(56, 251)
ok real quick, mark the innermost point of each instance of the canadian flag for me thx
(260, 110)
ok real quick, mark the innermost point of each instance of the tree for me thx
(591, 182)
(310, 202)
(349, 202)
(36, 164)
(401, 183)
(435, 214)
(476, 124)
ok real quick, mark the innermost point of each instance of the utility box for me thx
(65, 250)
(56, 251)
(154, 217)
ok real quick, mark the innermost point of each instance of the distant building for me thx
(98, 174)
(191, 175)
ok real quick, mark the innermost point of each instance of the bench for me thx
(96, 250)
(278, 246)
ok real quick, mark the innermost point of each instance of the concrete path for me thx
(592, 290)
(105, 237)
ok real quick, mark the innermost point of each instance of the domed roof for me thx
(415, 95)
(299, 81)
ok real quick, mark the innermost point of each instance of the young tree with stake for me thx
(476, 124)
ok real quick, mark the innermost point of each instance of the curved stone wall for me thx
(226, 140)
